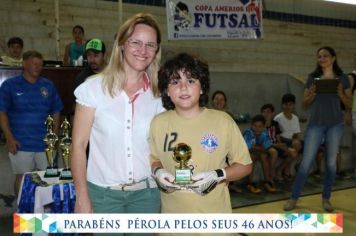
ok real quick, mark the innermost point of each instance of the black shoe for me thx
(279, 180)
(317, 174)
(2, 139)
(288, 178)
(235, 189)
(8, 199)
(343, 175)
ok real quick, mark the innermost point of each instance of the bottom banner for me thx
(178, 223)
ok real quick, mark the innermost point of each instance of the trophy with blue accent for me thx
(50, 140)
(65, 145)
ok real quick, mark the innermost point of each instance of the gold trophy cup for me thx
(181, 154)
(65, 144)
(50, 140)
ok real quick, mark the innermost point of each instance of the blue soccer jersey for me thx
(262, 140)
(27, 106)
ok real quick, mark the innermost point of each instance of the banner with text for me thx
(211, 19)
(178, 223)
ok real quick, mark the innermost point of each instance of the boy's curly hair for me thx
(192, 67)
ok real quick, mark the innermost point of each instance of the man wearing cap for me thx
(95, 54)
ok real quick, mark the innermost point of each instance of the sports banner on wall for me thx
(211, 19)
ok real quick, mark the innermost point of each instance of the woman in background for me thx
(219, 102)
(75, 49)
(326, 122)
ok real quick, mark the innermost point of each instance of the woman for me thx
(114, 110)
(219, 100)
(76, 48)
(325, 122)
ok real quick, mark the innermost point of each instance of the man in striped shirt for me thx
(25, 102)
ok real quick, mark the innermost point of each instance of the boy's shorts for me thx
(287, 141)
(23, 162)
(257, 154)
(290, 141)
(281, 153)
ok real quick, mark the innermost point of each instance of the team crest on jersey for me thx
(44, 92)
(209, 142)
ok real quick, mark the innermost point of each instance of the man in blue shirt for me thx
(25, 102)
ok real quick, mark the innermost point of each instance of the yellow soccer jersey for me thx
(213, 135)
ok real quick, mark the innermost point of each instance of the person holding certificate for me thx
(326, 121)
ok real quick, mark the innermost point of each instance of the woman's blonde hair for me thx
(114, 73)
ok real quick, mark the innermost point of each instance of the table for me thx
(51, 195)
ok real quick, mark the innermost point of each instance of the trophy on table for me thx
(50, 140)
(181, 154)
(65, 144)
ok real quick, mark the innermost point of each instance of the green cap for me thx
(95, 45)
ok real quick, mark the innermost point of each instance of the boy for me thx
(260, 147)
(290, 128)
(14, 57)
(288, 154)
(212, 135)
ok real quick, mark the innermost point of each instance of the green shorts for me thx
(106, 200)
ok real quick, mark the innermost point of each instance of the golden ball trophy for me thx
(65, 145)
(50, 140)
(181, 154)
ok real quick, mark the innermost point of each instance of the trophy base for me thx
(66, 174)
(183, 177)
(51, 173)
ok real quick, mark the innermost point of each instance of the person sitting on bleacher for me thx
(340, 174)
(290, 127)
(288, 154)
(260, 147)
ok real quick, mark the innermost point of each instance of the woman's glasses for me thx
(137, 44)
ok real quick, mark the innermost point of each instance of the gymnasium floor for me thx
(343, 200)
